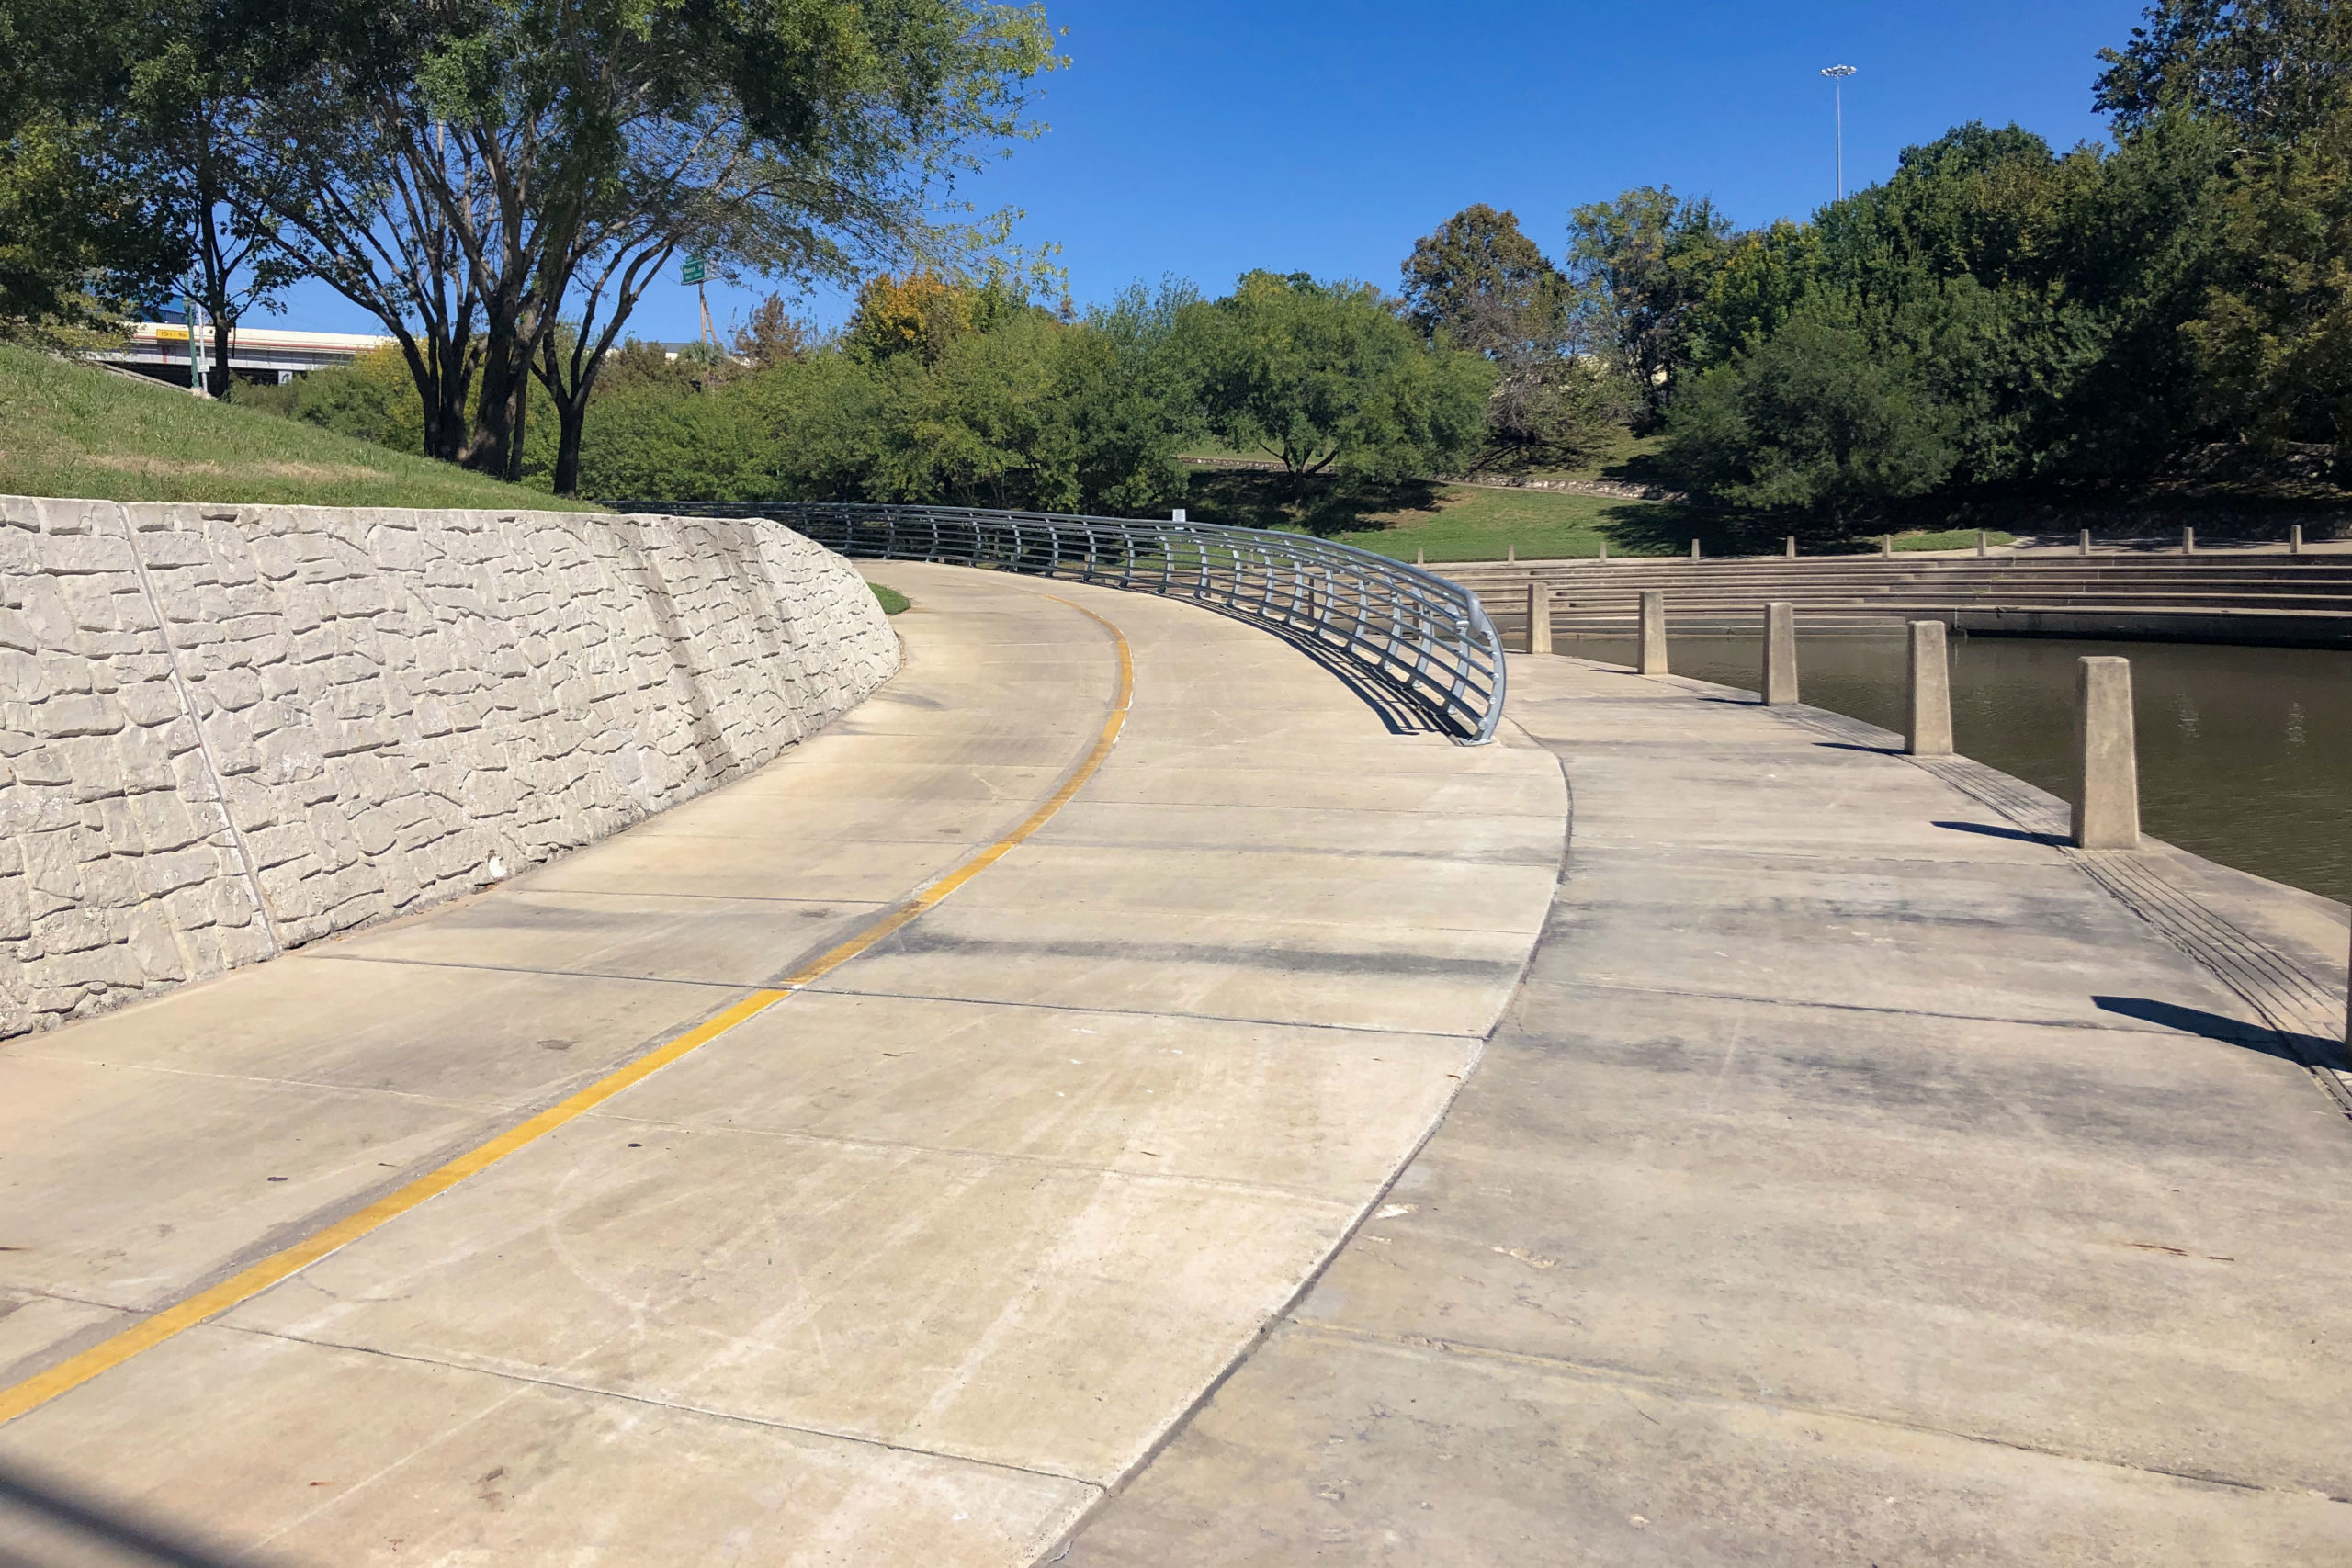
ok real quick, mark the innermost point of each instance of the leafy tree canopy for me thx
(1649, 254)
(1328, 378)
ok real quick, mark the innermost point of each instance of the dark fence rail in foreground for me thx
(1425, 639)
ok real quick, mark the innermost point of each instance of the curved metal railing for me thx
(1425, 639)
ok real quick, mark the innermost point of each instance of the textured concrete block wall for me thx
(225, 732)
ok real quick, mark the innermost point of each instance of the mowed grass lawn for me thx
(1476, 523)
(71, 430)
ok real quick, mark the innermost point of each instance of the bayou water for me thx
(2245, 754)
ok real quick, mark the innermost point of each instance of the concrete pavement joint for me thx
(368, 1092)
(1799, 1003)
(1144, 1012)
(534, 969)
(1695, 1393)
(506, 1375)
(982, 1156)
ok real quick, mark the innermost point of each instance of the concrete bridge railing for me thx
(1426, 638)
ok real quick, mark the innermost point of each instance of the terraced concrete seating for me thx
(2267, 599)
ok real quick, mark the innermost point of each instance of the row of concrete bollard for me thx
(2107, 772)
(2107, 761)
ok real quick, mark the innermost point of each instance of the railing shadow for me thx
(47, 1524)
(1398, 715)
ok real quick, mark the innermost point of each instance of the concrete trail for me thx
(909, 1267)
(1854, 1180)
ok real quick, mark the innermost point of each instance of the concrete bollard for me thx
(1780, 652)
(1604, 552)
(2082, 542)
(1886, 544)
(2294, 538)
(1420, 556)
(1793, 546)
(1929, 734)
(1511, 554)
(2188, 541)
(1653, 633)
(1539, 616)
(2107, 765)
(1694, 549)
(1979, 543)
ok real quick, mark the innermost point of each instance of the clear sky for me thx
(1204, 139)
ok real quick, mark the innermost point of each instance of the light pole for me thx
(1837, 75)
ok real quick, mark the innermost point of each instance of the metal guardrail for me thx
(1427, 639)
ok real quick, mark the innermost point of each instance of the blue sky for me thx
(1202, 139)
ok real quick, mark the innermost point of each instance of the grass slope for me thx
(72, 430)
(1474, 523)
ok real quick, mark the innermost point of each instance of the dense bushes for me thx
(2000, 318)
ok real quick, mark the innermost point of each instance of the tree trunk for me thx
(217, 376)
(442, 388)
(570, 416)
(514, 438)
(497, 418)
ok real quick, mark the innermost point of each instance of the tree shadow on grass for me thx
(1321, 505)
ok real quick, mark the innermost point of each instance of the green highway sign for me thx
(695, 271)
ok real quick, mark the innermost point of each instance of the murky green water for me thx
(2245, 754)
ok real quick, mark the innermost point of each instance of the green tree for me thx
(1480, 283)
(818, 415)
(464, 171)
(1818, 417)
(655, 443)
(2274, 337)
(101, 193)
(981, 426)
(1649, 255)
(1125, 387)
(1761, 277)
(1477, 283)
(1327, 379)
(2263, 90)
(2274, 69)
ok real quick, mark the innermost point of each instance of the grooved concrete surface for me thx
(1854, 1182)
(906, 1269)
(229, 730)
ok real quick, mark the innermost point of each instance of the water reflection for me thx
(2245, 754)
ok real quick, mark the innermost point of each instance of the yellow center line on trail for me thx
(187, 1313)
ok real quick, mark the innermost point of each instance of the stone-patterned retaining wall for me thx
(227, 730)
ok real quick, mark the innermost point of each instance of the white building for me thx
(257, 354)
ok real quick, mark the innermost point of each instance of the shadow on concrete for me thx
(45, 1524)
(2023, 835)
(2303, 1050)
(1399, 717)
